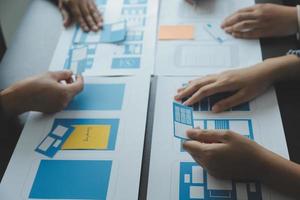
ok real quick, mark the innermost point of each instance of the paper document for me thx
(183, 178)
(211, 49)
(125, 46)
(101, 157)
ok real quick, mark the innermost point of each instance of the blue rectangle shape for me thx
(130, 2)
(99, 97)
(126, 63)
(71, 179)
(242, 107)
(112, 36)
(52, 150)
(136, 35)
(110, 33)
(101, 2)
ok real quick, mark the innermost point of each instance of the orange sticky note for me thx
(176, 32)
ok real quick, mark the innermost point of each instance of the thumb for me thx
(230, 102)
(65, 15)
(76, 86)
(61, 75)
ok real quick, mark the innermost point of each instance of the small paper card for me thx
(54, 140)
(182, 120)
(216, 32)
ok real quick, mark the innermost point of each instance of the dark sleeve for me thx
(291, 2)
(54, 1)
(2, 44)
(10, 130)
(294, 52)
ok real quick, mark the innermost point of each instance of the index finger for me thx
(95, 13)
(193, 87)
(238, 17)
(206, 91)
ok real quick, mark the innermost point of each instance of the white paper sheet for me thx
(133, 56)
(167, 178)
(126, 156)
(204, 54)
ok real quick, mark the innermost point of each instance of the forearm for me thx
(281, 174)
(283, 68)
(12, 101)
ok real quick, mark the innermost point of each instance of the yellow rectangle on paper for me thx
(176, 32)
(88, 137)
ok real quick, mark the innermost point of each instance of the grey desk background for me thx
(35, 41)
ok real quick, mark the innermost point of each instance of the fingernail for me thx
(216, 108)
(190, 133)
(186, 103)
(95, 28)
(227, 30)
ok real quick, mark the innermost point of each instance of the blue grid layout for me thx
(182, 120)
(133, 48)
(80, 57)
(194, 184)
(134, 35)
(182, 114)
(207, 103)
(141, 10)
(241, 126)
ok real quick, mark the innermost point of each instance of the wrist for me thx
(11, 99)
(294, 19)
(298, 17)
(282, 68)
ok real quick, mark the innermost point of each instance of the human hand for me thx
(44, 93)
(246, 83)
(192, 2)
(84, 12)
(262, 20)
(225, 154)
